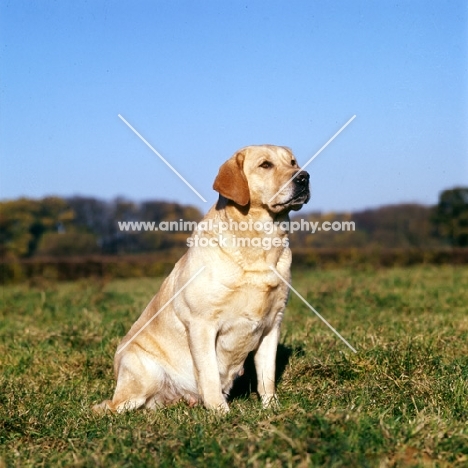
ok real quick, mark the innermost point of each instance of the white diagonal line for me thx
(161, 309)
(160, 157)
(314, 156)
(313, 310)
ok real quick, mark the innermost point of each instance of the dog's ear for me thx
(231, 181)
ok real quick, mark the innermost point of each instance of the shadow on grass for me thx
(247, 383)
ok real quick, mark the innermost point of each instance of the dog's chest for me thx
(249, 314)
(237, 337)
(253, 297)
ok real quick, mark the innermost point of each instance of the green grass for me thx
(401, 401)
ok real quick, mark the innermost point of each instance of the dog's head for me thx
(264, 176)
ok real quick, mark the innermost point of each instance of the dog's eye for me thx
(293, 163)
(266, 165)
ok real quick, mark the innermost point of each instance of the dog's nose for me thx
(302, 178)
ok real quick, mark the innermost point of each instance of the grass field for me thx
(402, 400)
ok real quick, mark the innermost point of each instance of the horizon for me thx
(303, 210)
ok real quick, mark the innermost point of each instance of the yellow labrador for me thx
(222, 300)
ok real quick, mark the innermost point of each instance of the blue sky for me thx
(201, 79)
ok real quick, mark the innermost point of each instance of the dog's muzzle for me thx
(300, 192)
(301, 185)
(302, 179)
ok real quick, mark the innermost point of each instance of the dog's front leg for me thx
(265, 366)
(202, 340)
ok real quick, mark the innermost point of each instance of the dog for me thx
(222, 300)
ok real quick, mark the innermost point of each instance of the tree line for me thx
(77, 226)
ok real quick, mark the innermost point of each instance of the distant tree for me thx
(451, 216)
(92, 215)
(392, 226)
(159, 211)
(24, 221)
(50, 214)
(101, 218)
(404, 225)
(16, 218)
(57, 244)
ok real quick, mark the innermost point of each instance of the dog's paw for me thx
(220, 408)
(101, 408)
(270, 401)
(223, 408)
